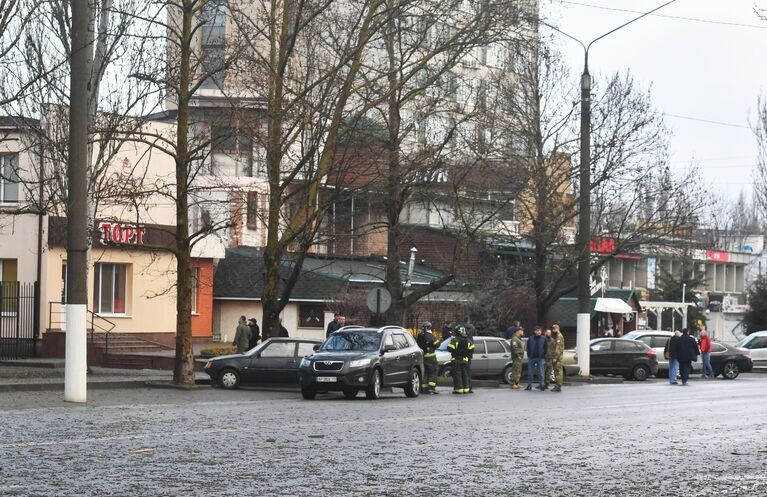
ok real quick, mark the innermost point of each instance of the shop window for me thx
(9, 178)
(110, 288)
(195, 286)
(252, 210)
(311, 315)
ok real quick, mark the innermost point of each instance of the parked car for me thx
(756, 343)
(354, 358)
(275, 361)
(621, 356)
(657, 340)
(492, 358)
(729, 360)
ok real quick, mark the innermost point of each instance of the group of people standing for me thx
(248, 334)
(682, 349)
(545, 351)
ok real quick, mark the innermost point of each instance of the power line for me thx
(708, 121)
(680, 18)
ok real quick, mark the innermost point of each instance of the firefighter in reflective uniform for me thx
(462, 349)
(548, 362)
(558, 342)
(517, 357)
(428, 343)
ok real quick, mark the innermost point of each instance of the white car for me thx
(657, 340)
(756, 343)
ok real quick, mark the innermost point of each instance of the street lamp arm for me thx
(624, 25)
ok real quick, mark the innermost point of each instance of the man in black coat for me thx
(687, 351)
(255, 332)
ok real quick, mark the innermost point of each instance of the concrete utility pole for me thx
(583, 333)
(76, 357)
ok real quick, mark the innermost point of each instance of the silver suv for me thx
(756, 343)
(657, 340)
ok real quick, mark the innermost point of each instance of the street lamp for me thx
(583, 333)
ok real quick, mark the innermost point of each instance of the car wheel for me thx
(507, 374)
(730, 371)
(447, 371)
(308, 393)
(373, 391)
(640, 373)
(229, 378)
(413, 387)
(350, 394)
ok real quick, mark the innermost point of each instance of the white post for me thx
(583, 338)
(659, 318)
(684, 317)
(76, 354)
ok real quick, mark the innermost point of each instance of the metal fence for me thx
(19, 319)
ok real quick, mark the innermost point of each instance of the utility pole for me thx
(76, 355)
(583, 241)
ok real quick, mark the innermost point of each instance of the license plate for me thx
(326, 379)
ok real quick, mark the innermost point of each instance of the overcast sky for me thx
(713, 68)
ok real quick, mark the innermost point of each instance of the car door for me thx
(403, 360)
(758, 348)
(498, 355)
(390, 360)
(276, 363)
(718, 353)
(600, 355)
(479, 359)
(658, 344)
(625, 354)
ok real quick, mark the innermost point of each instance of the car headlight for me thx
(359, 363)
(305, 362)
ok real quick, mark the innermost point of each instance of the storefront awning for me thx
(613, 306)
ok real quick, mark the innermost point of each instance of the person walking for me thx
(558, 343)
(517, 356)
(512, 330)
(461, 349)
(687, 351)
(548, 361)
(705, 352)
(669, 352)
(536, 354)
(255, 333)
(242, 336)
(428, 344)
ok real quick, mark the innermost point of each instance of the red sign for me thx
(714, 256)
(602, 245)
(126, 234)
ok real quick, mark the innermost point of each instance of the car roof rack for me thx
(393, 326)
(350, 327)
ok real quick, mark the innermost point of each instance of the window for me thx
(495, 347)
(717, 347)
(252, 210)
(311, 315)
(400, 341)
(659, 342)
(9, 272)
(195, 285)
(479, 347)
(305, 349)
(388, 342)
(9, 178)
(231, 151)
(626, 346)
(757, 343)
(213, 43)
(109, 288)
(279, 349)
(604, 345)
(647, 339)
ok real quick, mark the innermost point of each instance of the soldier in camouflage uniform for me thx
(558, 342)
(517, 357)
(549, 360)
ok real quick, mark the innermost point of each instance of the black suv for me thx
(355, 358)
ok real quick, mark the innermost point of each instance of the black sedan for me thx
(729, 361)
(274, 361)
(619, 356)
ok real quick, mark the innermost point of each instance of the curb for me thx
(99, 385)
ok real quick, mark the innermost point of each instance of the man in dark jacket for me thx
(687, 351)
(462, 350)
(536, 354)
(338, 322)
(669, 352)
(512, 330)
(255, 332)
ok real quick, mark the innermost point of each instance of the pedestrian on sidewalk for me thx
(669, 352)
(705, 352)
(558, 342)
(255, 332)
(242, 336)
(548, 370)
(517, 356)
(687, 351)
(536, 354)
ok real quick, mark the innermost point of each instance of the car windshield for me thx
(367, 341)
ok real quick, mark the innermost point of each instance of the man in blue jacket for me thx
(536, 354)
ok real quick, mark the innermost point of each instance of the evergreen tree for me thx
(756, 318)
(670, 287)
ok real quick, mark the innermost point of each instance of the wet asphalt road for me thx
(632, 439)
